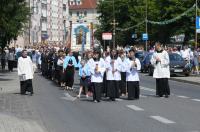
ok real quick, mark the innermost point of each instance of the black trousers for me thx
(104, 89)
(10, 65)
(69, 76)
(123, 83)
(26, 86)
(133, 89)
(3, 63)
(97, 91)
(162, 87)
(111, 89)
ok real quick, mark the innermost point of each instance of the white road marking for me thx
(118, 99)
(135, 108)
(143, 96)
(184, 97)
(147, 89)
(198, 100)
(68, 97)
(162, 119)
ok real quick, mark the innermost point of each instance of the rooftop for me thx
(85, 4)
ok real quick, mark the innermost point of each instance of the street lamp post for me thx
(146, 22)
(196, 34)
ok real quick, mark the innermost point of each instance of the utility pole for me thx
(196, 34)
(29, 37)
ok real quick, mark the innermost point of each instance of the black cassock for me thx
(44, 65)
(133, 90)
(162, 87)
(97, 87)
(113, 87)
(123, 83)
(26, 86)
(69, 74)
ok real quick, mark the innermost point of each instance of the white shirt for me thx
(113, 67)
(132, 72)
(97, 77)
(90, 62)
(25, 66)
(185, 54)
(161, 69)
(60, 62)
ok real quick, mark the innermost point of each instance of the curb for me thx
(185, 81)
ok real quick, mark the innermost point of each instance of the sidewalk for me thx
(16, 114)
(192, 79)
(9, 82)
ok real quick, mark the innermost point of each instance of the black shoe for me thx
(31, 94)
(166, 96)
(113, 99)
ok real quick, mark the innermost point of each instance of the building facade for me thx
(83, 17)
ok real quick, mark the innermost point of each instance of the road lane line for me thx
(143, 96)
(135, 108)
(68, 97)
(198, 100)
(162, 119)
(147, 89)
(183, 97)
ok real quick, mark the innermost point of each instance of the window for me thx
(64, 7)
(70, 13)
(78, 13)
(85, 13)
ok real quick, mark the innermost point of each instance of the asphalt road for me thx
(60, 111)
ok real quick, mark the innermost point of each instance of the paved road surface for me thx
(59, 111)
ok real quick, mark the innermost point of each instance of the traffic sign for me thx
(145, 36)
(106, 36)
(198, 22)
(198, 30)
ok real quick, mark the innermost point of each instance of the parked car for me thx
(140, 55)
(146, 64)
(177, 65)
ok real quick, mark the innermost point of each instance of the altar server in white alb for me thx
(25, 72)
(97, 69)
(113, 75)
(160, 61)
(132, 76)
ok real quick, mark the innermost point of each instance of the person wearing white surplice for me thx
(132, 76)
(113, 75)
(25, 72)
(97, 69)
(160, 61)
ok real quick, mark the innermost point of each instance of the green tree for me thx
(132, 12)
(14, 14)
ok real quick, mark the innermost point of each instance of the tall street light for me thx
(146, 22)
(196, 34)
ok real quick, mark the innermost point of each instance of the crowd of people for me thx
(111, 73)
